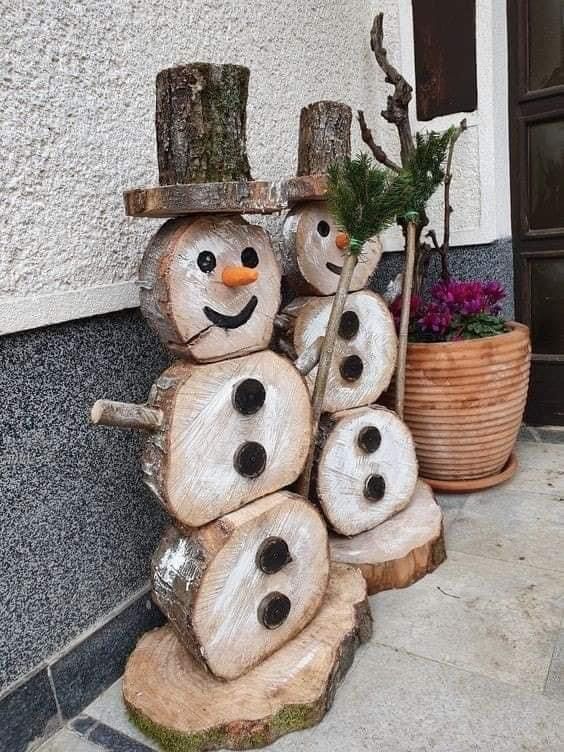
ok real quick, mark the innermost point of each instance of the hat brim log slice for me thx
(183, 707)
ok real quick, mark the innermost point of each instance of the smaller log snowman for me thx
(365, 470)
(243, 575)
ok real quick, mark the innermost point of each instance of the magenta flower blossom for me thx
(455, 310)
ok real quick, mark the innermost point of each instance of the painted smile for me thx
(334, 268)
(232, 322)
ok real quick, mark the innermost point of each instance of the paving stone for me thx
(553, 435)
(541, 469)
(555, 679)
(513, 526)
(496, 618)
(110, 709)
(67, 741)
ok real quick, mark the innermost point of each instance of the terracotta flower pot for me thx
(464, 404)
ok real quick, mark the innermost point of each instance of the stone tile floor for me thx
(471, 658)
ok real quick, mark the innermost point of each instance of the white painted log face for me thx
(316, 262)
(367, 469)
(234, 431)
(366, 343)
(290, 690)
(239, 588)
(399, 551)
(184, 297)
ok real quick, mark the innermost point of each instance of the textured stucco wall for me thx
(77, 125)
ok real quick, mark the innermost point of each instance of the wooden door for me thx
(536, 121)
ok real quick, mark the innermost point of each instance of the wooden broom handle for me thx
(404, 318)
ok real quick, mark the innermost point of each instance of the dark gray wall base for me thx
(80, 526)
(42, 702)
(491, 261)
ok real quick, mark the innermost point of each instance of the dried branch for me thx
(397, 111)
(448, 179)
(379, 153)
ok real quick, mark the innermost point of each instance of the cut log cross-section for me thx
(210, 287)
(357, 376)
(184, 707)
(366, 469)
(219, 435)
(399, 551)
(239, 588)
(201, 121)
(313, 260)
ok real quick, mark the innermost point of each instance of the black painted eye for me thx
(349, 325)
(323, 228)
(369, 439)
(206, 261)
(374, 488)
(249, 257)
(351, 368)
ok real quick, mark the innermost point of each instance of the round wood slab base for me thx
(399, 551)
(186, 709)
(475, 484)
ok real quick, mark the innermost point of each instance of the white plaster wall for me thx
(77, 125)
(480, 188)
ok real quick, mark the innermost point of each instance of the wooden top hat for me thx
(201, 119)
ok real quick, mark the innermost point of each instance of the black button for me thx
(249, 396)
(374, 487)
(349, 325)
(250, 459)
(206, 261)
(369, 439)
(351, 368)
(273, 610)
(273, 555)
(249, 257)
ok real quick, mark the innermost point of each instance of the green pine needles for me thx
(424, 169)
(364, 198)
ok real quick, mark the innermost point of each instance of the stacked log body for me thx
(365, 469)
(244, 568)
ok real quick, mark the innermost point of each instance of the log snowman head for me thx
(210, 287)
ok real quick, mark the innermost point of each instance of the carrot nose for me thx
(236, 276)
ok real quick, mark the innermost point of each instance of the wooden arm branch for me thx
(126, 415)
(379, 153)
(397, 111)
(310, 357)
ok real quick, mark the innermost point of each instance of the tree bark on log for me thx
(273, 553)
(184, 707)
(365, 469)
(201, 121)
(399, 551)
(325, 136)
(231, 432)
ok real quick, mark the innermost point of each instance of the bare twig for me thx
(397, 111)
(379, 153)
(448, 178)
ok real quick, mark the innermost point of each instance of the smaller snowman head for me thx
(210, 286)
(367, 469)
(310, 234)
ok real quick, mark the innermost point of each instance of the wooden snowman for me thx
(365, 470)
(243, 575)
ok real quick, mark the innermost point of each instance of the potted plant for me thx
(466, 384)
(462, 385)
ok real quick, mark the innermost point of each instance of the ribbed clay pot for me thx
(464, 404)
